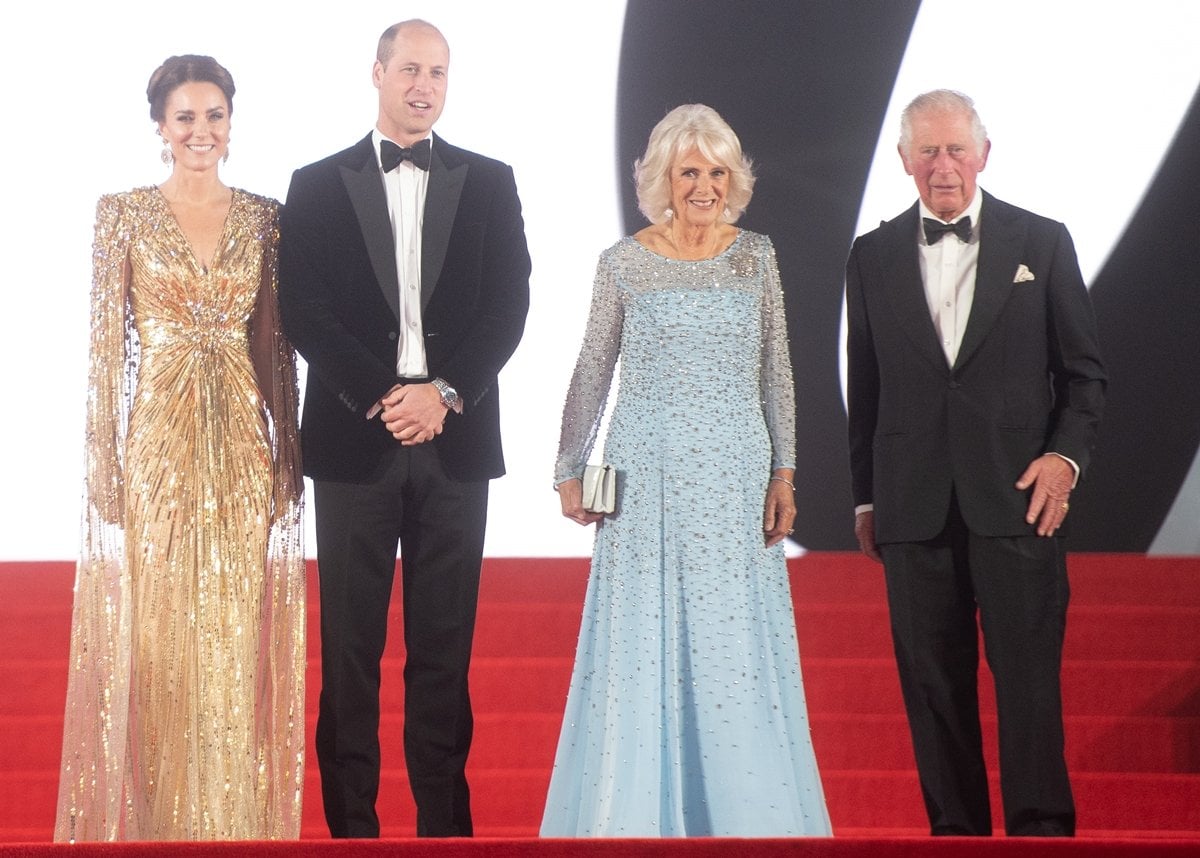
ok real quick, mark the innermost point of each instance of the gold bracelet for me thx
(790, 484)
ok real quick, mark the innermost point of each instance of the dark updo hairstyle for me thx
(176, 71)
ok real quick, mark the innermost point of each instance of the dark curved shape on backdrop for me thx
(1147, 300)
(805, 86)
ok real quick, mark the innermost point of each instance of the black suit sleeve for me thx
(1077, 372)
(862, 383)
(309, 244)
(485, 335)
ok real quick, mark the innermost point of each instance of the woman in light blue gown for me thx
(686, 712)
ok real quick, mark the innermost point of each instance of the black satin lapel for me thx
(1002, 241)
(441, 204)
(369, 199)
(906, 292)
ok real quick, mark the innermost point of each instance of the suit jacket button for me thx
(392, 336)
(954, 385)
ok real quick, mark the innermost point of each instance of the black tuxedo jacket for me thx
(1028, 378)
(340, 305)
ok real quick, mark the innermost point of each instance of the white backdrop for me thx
(1080, 99)
(541, 99)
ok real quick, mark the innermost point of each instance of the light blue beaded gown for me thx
(686, 712)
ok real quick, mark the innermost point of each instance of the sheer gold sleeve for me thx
(94, 729)
(281, 676)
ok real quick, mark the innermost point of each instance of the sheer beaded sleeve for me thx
(97, 705)
(275, 367)
(281, 681)
(111, 364)
(778, 391)
(588, 393)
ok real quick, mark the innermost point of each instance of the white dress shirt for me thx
(406, 187)
(948, 273)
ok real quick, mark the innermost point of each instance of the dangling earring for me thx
(727, 213)
(225, 157)
(167, 156)
(668, 214)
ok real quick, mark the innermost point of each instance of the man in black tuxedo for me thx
(975, 390)
(404, 283)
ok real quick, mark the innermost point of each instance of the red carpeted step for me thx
(1103, 579)
(844, 741)
(1131, 688)
(866, 799)
(859, 799)
(881, 799)
(862, 631)
(542, 686)
(1132, 579)
(1133, 632)
(37, 687)
(1105, 744)
(857, 686)
(34, 686)
(1090, 687)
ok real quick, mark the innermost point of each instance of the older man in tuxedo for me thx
(404, 284)
(975, 390)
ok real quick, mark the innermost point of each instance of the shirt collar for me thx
(973, 208)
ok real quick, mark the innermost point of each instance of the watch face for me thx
(449, 394)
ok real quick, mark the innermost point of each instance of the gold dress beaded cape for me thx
(185, 698)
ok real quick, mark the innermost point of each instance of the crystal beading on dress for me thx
(644, 271)
(185, 701)
(685, 713)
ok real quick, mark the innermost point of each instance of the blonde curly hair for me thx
(688, 127)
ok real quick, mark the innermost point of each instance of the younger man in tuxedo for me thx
(404, 284)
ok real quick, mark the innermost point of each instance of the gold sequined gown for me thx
(185, 700)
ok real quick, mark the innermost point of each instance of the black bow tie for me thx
(391, 155)
(935, 229)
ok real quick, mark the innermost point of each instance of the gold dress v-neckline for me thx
(200, 265)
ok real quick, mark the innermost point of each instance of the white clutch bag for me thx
(600, 488)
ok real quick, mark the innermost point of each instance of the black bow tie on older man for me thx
(391, 155)
(935, 229)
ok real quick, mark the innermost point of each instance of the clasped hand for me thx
(413, 413)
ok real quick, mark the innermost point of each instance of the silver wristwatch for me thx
(450, 397)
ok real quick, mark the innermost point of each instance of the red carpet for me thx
(1131, 686)
(845, 847)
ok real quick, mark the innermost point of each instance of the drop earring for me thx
(167, 156)
(668, 214)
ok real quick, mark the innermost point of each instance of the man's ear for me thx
(987, 148)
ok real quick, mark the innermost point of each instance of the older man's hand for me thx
(1051, 477)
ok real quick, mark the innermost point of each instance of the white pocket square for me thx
(1023, 275)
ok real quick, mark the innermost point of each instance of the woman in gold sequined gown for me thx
(185, 700)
